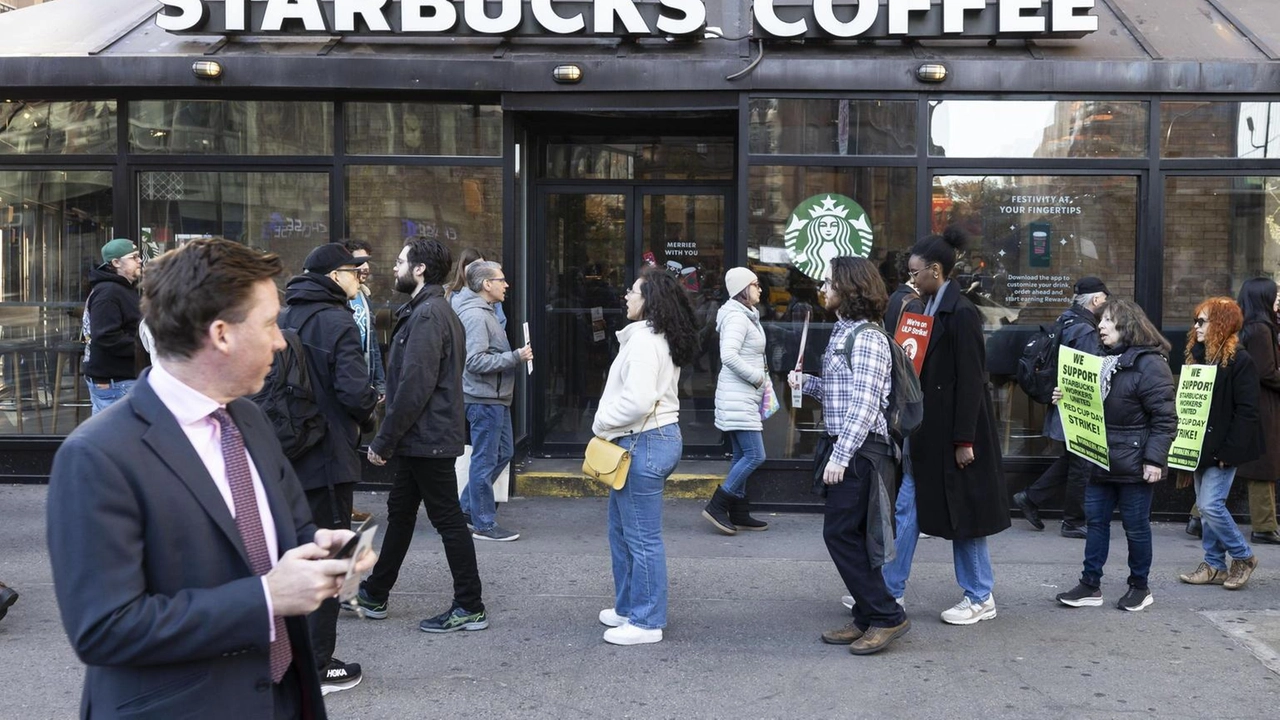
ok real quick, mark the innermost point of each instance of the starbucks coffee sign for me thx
(824, 227)
(780, 19)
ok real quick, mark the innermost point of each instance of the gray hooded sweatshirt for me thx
(489, 374)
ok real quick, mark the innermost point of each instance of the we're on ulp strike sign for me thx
(781, 19)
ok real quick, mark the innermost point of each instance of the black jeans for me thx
(1069, 469)
(844, 529)
(433, 483)
(330, 508)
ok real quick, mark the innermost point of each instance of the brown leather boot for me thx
(876, 639)
(843, 636)
(1204, 575)
(1240, 572)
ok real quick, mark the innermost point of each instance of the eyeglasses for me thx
(497, 279)
(913, 273)
(632, 291)
(1201, 321)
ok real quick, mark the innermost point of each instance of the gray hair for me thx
(479, 271)
(1084, 299)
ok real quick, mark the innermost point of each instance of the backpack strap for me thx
(847, 350)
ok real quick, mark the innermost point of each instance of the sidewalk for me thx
(742, 642)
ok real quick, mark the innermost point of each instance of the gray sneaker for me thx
(496, 534)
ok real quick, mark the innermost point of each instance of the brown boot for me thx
(843, 636)
(876, 639)
(1240, 572)
(1204, 575)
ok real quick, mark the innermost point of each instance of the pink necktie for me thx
(249, 523)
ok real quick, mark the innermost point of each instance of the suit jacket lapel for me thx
(166, 439)
(259, 442)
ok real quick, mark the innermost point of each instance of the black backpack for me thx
(289, 399)
(906, 401)
(1037, 371)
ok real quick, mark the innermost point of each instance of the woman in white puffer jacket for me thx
(739, 390)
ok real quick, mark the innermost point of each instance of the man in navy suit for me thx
(184, 557)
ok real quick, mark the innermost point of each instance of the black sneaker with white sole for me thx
(1135, 599)
(338, 675)
(1081, 596)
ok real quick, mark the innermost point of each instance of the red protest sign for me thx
(913, 335)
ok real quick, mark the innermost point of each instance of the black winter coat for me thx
(904, 299)
(953, 502)
(425, 411)
(1140, 415)
(339, 378)
(114, 309)
(1233, 435)
(1259, 339)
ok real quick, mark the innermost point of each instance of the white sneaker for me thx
(967, 613)
(628, 634)
(848, 602)
(611, 618)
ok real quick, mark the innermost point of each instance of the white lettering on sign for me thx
(772, 24)
(695, 16)
(190, 14)
(508, 19)
(345, 12)
(441, 18)
(826, 16)
(236, 14)
(625, 10)
(953, 14)
(308, 11)
(900, 14)
(1067, 16)
(1013, 17)
(547, 18)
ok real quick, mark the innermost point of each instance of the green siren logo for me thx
(824, 227)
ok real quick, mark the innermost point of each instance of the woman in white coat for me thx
(739, 391)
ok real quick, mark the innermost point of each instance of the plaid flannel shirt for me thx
(853, 396)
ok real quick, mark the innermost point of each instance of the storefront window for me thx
(388, 204)
(832, 127)
(284, 213)
(1031, 237)
(76, 127)
(888, 198)
(1220, 130)
(52, 227)
(667, 158)
(424, 129)
(1038, 129)
(1218, 232)
(230, 127)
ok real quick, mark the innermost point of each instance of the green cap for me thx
(117, 249)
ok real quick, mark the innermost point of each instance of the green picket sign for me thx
(1195, 394)
(1081, 406)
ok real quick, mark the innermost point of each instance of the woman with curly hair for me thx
(953, 477)
(640, 411)
(1232, 437)
(1137, 404)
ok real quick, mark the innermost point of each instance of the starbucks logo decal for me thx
(825, 227)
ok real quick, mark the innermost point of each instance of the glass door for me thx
(593, 243)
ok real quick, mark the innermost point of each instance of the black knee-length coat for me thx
(951, 502)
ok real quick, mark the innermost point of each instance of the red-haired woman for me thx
(1233, 436)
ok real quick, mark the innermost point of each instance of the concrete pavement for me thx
(742, 641)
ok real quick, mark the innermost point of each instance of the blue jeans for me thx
(103, 398)
(491, 450)
(1134, 501)
(748, 454)
(1221, 535)
(635, 528)
(969, 555)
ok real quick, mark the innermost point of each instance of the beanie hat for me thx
(737, 280)
(329, 257)
(117, 249)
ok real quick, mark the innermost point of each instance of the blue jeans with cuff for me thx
(969, 555)
(491, 450)
(1221, 536)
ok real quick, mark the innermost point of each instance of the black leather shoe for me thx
(1076, 532)
(1195, 528)
(1265, 538)
(1029, 511)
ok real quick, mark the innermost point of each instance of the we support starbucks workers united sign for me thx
(1080, 408)
(1195, 393)
(825, 227)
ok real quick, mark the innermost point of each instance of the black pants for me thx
(1071, 470)
(330, 508)
(433, 483)
(844, 529)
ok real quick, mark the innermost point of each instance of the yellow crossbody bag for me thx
(607, 462)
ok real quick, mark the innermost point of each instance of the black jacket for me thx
(1233, 435)
(904, 299)
(1079, 332)
(1140, 415)
(114, 310)
(425, 412)
(318, 309)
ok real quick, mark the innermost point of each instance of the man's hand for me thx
(964, 456)
(833, 473)
(795, 379)
(333, 540)
(1057, 395)
(375, 458)
(303, 579)
(526, 353)
(1151, 473)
